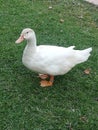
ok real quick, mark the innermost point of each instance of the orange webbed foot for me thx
(45, 83)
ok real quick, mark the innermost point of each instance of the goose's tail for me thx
(83, 55)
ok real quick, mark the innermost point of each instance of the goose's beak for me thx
(20, 39)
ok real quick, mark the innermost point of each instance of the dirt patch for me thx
(95, 2)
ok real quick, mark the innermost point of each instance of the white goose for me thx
(47, 60)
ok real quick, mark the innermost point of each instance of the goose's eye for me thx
(27, 32)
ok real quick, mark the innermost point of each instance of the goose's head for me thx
(25, 34)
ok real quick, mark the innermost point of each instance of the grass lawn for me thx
(72, 102)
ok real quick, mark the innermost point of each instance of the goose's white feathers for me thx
(51, 60)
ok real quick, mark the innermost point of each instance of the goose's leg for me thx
(45, 83)
(43, 76)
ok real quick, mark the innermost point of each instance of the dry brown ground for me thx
(93, 1)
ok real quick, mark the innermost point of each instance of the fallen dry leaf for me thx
(61, 20)
(84, 119)
(50, 7)
(87, 71)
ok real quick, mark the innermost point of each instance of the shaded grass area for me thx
(72, 102)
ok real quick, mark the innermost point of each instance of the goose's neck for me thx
(32, 42)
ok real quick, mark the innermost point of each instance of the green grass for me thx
(72, 102)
